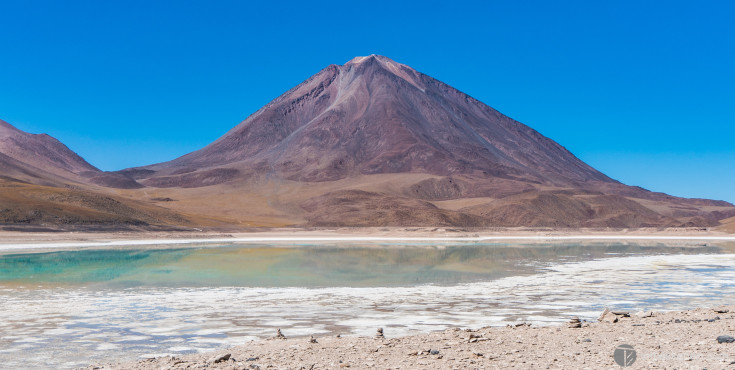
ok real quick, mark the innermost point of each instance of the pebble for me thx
(725, 339)
(280, 335)
(221, 358)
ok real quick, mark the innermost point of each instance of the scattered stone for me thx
(280, 335)
(721, 310)
(220, 358)
(519, 348)
(339, 335)
(621, 313)
(312, 339)
(644, 314)
(379, 334)
(677, 321)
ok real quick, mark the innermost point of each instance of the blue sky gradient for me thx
(643, 91)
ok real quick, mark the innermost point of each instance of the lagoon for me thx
(75, 307)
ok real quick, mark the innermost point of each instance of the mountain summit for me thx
(373, 115)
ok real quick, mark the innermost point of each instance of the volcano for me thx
(374, 142)
(375, 116)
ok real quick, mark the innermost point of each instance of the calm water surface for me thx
(72, 308)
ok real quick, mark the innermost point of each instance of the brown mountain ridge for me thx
(375, 143)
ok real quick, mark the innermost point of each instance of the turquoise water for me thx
(346, 265)
(73, 308)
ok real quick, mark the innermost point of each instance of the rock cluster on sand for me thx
(700, 338)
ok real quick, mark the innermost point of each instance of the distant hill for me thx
(44, 182)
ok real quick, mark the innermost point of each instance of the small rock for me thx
(608, 316)
(434, 352)
(379, 334)
(725, 339)
(253, 359)
(312, 340)
(220, 358)
(587, 340)
(721, 310)
(621, 313)
(575, 323)
(280, 335)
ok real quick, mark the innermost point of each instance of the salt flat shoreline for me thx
(685, 339)
(14, 240)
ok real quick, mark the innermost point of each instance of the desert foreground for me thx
(700, 338)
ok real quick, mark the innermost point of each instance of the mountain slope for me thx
(43, 182)
(373, 115)
(40, 155)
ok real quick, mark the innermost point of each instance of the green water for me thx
(306, 266)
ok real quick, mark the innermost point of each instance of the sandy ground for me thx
(21, 240)
(686, 339)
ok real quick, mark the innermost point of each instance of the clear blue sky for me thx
(642, 90)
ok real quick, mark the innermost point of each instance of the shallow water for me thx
(75, 307)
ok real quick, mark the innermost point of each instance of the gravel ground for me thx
(661, 340)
